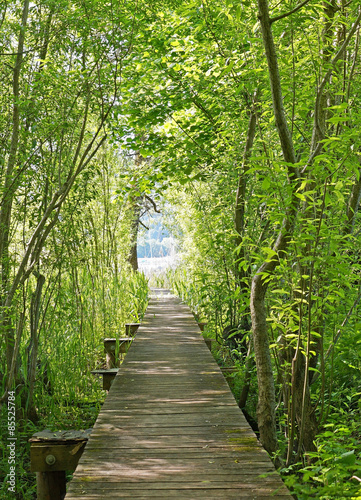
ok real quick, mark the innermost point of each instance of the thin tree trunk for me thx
(266, 388)
(248, 368)
(135, 208)
(34, 343)
(242, 274)
(353, 206)
(135, 214)
(9, 191)
(239, 212)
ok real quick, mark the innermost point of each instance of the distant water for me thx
(156, 264)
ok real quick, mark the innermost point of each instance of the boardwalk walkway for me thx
(170, 427)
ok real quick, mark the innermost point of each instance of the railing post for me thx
(51, 485)
(51, 454)
(110, 346)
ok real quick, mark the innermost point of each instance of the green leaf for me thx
(348, 458)
(266, 184)
(227, 69)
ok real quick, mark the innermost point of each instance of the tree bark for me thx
(353, 205)
(266, 388)
(34, 344)
(9, 188)
(135, 214)
(135, 208)
(242, 274)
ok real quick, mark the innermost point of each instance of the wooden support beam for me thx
(108, 376)
(110, 346)
(51, 485)
(202, 325)
(209, 343)
(51, 454)
(131, 328)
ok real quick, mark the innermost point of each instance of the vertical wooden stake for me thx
(110, 346)
(51, 485)
(202, 325)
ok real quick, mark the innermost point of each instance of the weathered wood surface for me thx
(170, 427)
(65, 447)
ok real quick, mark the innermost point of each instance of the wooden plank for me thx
(109, 484)
(190, 494)
(220, 491)
(170, 427)
(177, 469)
(217, 463)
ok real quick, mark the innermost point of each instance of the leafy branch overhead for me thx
(235, 123)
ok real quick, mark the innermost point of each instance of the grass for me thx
(66, 396)
(54, 415)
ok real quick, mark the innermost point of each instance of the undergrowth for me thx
(66, 395)
(333, 471)
(54, 415)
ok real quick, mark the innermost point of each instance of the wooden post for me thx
(51, 485)
(202, 325)
(112, 361)
(51, 454)
(209, 343)
(108, 376)
(110, 346)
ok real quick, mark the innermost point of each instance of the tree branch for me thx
(142, 224)
(326, 78)
(153, 203)
(275, 81)
(286, 14)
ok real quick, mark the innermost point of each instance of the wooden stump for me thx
(51, 454)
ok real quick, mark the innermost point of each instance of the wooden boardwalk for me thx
(170, 427)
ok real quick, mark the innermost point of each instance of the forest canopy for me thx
(239, 121)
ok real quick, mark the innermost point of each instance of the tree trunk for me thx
(242, 274)
(266, 389)
(9, 192)
(135, 207)
(135, 214)
(34, 344)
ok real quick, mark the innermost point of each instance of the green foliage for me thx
(177, 82)
(26, 483)
(333, 470)
(55, 415)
